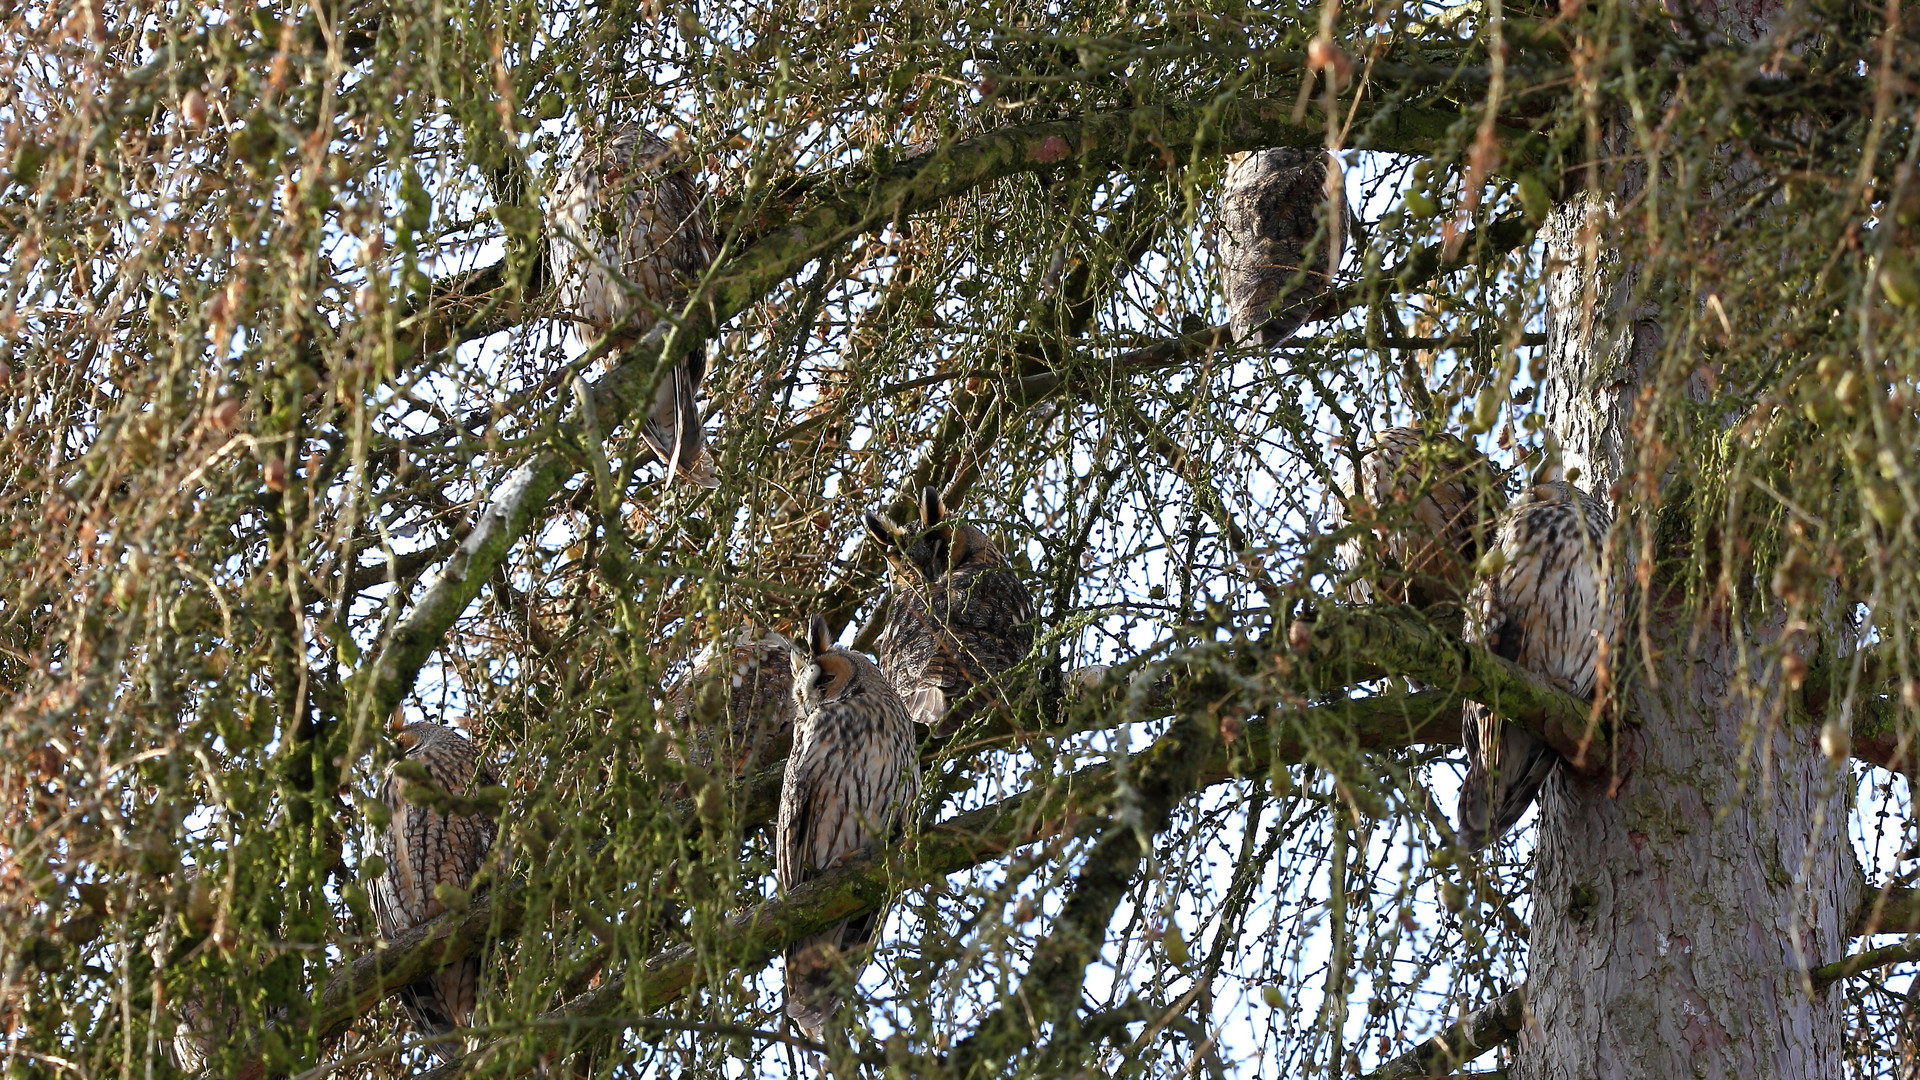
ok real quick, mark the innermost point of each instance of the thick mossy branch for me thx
(1352, 645)
(1051, 990)
(1075, 803)
(1472, 1035)
(845, 209)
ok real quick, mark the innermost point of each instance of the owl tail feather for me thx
(1496, 793)
(810, 976)
(928, 705)
(809, 982)
(673, 430)
(444, 1003)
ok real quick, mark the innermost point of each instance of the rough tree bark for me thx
(1679, 903)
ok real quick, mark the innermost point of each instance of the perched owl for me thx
(1547, 607)
(1432, 501)
(200, 1022)
(629, 237)
(851, 783)
(756, 671)
(959, 617)
(423, 848)
(1274, 243)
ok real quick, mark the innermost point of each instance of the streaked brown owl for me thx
(1274, 244)
(201, 1020)
(424, 848)
(959, 617)
(1548, 607)
(1430, 503)
(630, 235)
(751, 677)
(851, 783)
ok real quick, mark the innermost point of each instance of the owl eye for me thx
(821, 680)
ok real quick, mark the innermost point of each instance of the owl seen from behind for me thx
(629, 237)
(850, 785)
(1277, 239)
(425, 848)
(959, 617)
(1427, 505)
(1549, 606)
(750, 677)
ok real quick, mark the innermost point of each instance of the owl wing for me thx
(911, 654)
(1506, 768)
(1506, 764)
(792, 824)
(989, 619)
(430, 848)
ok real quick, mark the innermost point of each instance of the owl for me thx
(960, 616)
(1431, 502)
(200, 1020)
(423, 848)
(1548, 607)
(629, 236)
(757, 672)
(1274, 242)
(851, 783)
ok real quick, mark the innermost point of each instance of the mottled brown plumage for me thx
(424, 848)
(1275, 246)
(201, 1017)
(751, 678)
(1548, 607)
(959, 617)
(630, 236)
(1429, 503)
(851, 783)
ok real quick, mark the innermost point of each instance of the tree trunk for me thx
(1677, 906)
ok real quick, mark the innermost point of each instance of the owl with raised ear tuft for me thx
(1277, 239)
(630, 236)
(433, 840)
(749, 677)
(1426, 505)
(959, 616)
(1551, 604)
(850, 785)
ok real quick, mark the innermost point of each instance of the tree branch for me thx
(1051, 990)
(1359, 644)
(1474, 1034)
(1384, 722)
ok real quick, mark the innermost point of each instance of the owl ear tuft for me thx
(933, 508)
(818, 639)
(882, 530)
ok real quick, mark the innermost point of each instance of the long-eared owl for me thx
(1428, 504)
(1277, 240)
(1551, 608)
(960, 616)
(424, 848)
(751, 675)
(851, 783)
(630, 235)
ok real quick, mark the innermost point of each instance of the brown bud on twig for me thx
(276, 474)
(1231, 729)
(193, 109)
(1793, 669)
(1299, 636)
(1324, 55)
